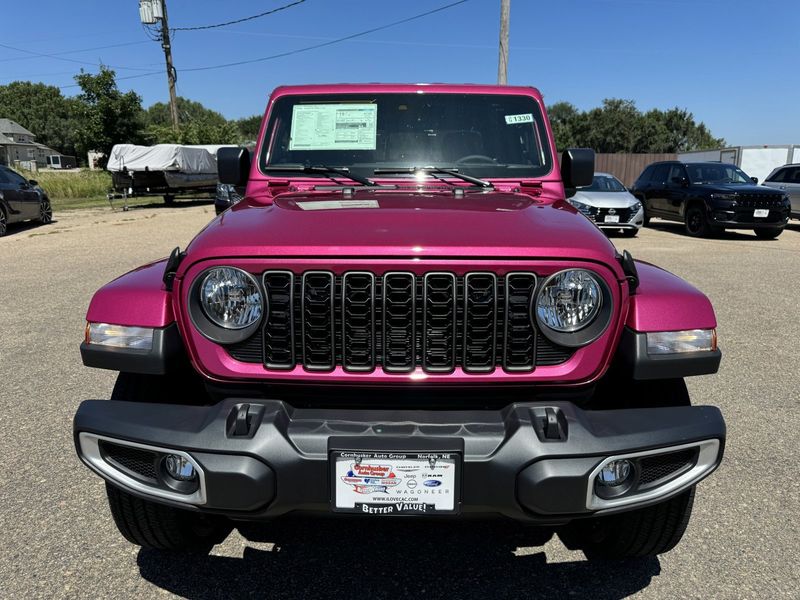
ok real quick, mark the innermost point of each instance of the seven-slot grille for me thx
(398, 322)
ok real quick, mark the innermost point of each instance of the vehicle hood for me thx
(740, 188)
(416, 224)
(606, 199)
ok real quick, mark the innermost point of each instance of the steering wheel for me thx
(479, 158)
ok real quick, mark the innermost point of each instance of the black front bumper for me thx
(529, 461)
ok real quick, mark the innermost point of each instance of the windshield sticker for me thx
(514, 119)
(335, 204)
(334, 127)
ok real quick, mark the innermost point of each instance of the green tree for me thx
(188, 111)
(248, 128)
(198, 131)
(105, 115)
(44, 111)
(618, 126)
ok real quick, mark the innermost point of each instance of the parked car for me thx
(21, 200)
(787, 179)
(709, 197)
(608, 204)
(227, 195)
(404, 316)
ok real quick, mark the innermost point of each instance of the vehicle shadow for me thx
(728, 234)
(13, 229)
(137, 204)
(390, 559)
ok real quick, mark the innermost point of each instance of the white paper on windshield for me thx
(337, 204)
(334, 127)
(514, 119)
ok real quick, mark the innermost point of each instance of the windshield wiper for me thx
(432, 172)
(323, 170)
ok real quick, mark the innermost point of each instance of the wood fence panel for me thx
(627, 167)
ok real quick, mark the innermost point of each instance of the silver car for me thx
(787, 178)
(609, 205)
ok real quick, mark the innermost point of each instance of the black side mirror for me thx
(233, 165)
(754, 179)
(577, 169)
(33, 182)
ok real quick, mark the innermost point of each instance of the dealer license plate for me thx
(611, 219)
(761, 212)
(395, 483)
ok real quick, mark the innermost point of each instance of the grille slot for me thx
(439, 322)
(661, 466)
(318, 322)
(480, 322)
(136, 460)
(358, 321)
(520, 337)
(398, 322)
(278, 335)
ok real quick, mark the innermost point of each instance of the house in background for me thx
(19, 144)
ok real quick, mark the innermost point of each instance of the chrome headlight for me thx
(572, 307)
(226, 304)
(581, 206)
(635, 207)
(231, 298)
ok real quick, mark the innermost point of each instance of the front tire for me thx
(767, 234)
(3, 222)
(45, 212)
(160, 527)
(696, 222)
(648, 531)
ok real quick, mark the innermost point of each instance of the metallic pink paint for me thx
(587, 364)
(665, 302)
(136, 298)
(521, 225)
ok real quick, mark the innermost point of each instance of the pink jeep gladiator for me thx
(403, 317)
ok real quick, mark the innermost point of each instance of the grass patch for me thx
(72, 185)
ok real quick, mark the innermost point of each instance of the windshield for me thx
(716, 173)
(604, 183)
(483, 135)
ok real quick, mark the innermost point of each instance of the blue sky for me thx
(733, 63)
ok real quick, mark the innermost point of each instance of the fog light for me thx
(615, 473)
(180, 468)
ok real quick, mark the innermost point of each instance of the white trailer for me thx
(756, 161)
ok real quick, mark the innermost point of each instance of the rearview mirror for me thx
(577, 169)
(33, 182)
(754, 179)
(233, 165)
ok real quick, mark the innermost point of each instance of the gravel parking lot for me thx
(58, 540)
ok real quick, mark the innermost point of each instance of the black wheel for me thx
(3, 222)
(169, 199)
(161, 527)
(149, 524)
(644, 532)
(767, 234)
(696, 222)
(45, 212)
(630, 232)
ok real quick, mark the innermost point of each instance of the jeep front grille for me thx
(399, 322)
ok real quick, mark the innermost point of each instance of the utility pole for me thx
(172, 75)
(502, 61)
(150, 12)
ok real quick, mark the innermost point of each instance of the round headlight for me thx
(231, 298)
(569, 301)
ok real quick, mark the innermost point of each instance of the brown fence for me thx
(627, 167)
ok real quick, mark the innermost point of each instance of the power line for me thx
(330, 43)
(307, 48)
(54, 54)
(258, 16)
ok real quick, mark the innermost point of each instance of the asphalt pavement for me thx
(57, 538)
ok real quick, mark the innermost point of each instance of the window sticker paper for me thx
(334, 127)
(514, 119)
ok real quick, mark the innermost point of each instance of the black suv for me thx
(21, 200)
(709, 197)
